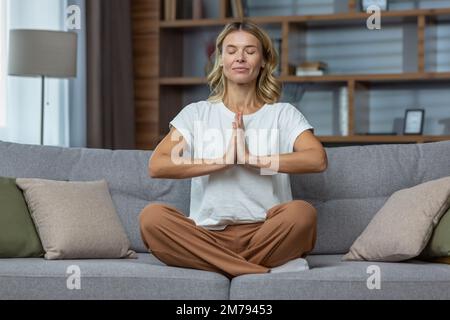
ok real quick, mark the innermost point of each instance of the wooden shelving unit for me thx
(171, 82)
(352, 16)
(392, 77)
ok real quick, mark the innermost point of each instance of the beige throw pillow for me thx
(400, 230)
(75, 220)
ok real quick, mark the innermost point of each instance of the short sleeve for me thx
(184, 123)
(292, 123)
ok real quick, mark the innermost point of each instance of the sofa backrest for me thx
(125, 171)
(357, 183)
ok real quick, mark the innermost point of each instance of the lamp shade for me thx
(42, 53)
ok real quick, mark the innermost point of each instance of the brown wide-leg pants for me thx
(288, 232)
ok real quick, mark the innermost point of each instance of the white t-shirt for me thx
(238, 194)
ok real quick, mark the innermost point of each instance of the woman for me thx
(242, 215)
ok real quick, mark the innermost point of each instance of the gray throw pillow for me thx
(400, 230)
(75, 220)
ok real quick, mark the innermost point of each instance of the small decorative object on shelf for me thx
(382, 4)
(414, 119)
(311, 68)
(292, 69)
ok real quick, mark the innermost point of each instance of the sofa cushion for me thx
(331, 278)
(402, 228)
(18, 236)
(75, 220)
(142, 278)
(439, 244)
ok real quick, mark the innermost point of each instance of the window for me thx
(3, 64)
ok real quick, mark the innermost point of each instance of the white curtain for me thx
(23, 94)
(77, 86)
(3, 24)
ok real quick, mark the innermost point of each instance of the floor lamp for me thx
(42, 53)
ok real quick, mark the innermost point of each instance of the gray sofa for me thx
(355, 186)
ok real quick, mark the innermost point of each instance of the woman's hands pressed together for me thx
(237, 150)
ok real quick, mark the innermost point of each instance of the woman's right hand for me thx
(230, 156)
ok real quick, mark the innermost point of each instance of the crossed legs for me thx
(288, 232)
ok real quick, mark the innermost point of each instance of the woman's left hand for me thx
(243, 154)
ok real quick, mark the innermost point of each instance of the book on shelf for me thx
(302, 73)
(170, 9)
(173, 11)
(166, 9)
(197, 9)
(313, 65)
(239, 8)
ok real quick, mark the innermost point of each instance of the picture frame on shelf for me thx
(382, 4)
(413, 122)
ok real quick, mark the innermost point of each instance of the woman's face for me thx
(242, 57)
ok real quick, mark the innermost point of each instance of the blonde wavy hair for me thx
(268, 89)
